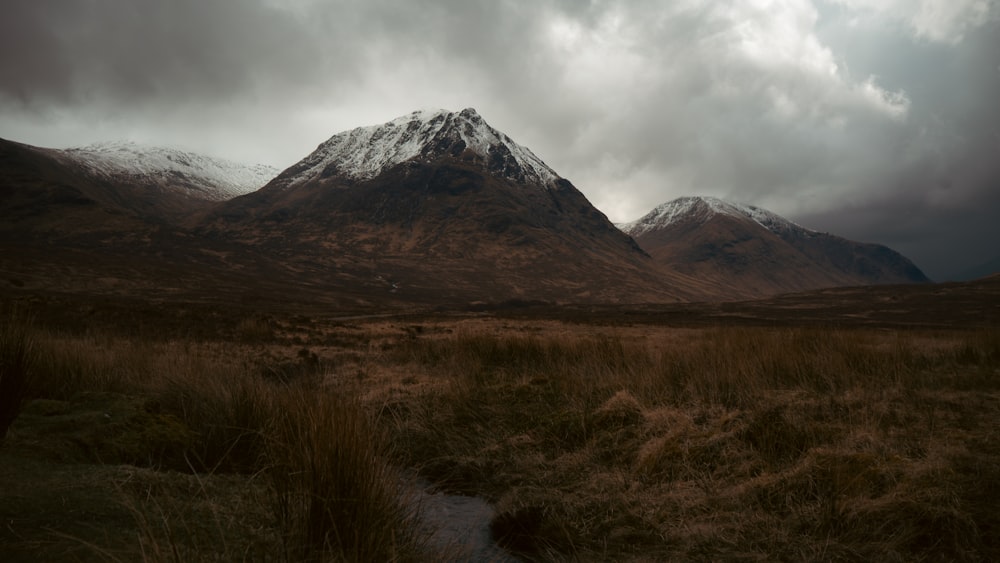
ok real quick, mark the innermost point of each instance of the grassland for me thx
(286, 439)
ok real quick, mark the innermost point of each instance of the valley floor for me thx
(271, 437)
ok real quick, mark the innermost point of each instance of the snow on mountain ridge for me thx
(704, 207)
(197, 175)
(365, 152)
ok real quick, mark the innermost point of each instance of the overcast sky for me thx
(878, 120)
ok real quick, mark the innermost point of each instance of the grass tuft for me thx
(336, 495)
(17, 354)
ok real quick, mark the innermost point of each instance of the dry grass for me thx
(594, 444)
(729, 443)
(335, 492)
(16, 357)
(231, 462)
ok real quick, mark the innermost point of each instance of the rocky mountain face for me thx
(439, 205)
(760, 253)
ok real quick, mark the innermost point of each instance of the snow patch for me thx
(196, 175)
(365, 152)
(704, 208)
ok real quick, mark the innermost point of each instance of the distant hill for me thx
(100, 186)
(113, 220)
(760, 253)
(194, 175)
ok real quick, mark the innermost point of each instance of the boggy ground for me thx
(276, 437)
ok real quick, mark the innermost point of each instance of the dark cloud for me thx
(936, 194)
(874, 123)
(142, 52)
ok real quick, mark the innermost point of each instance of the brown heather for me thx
(286, 442)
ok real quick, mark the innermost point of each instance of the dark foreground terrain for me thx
(843, 425)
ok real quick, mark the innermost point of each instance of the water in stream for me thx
(460, 524)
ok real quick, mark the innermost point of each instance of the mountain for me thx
(100, 186)
(365, 153)
(759, 252)
(114, 219)
(438, 205)
(42, 194)
(191, 174)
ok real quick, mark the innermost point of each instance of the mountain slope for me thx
(80, 188)
(191, 174)
(758, 252)
(42, 193)
(439, 205)
(68, 225)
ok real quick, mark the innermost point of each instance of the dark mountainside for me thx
(67, 229)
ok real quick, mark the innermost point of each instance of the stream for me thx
(459, 524)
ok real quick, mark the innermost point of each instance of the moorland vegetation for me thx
(291, 439)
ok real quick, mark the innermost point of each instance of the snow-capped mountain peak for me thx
(703, 208)
(365, 152)
(196, 175)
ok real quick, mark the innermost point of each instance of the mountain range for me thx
(435, 207)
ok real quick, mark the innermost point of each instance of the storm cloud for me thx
(873, 120)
